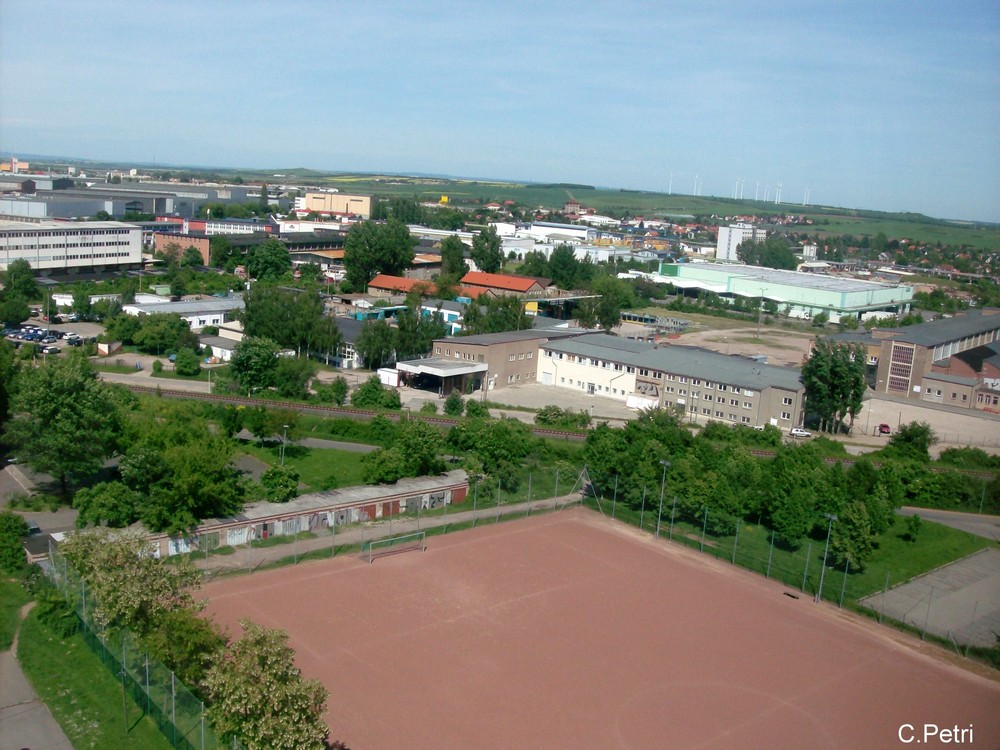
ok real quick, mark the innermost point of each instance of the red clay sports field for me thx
(569, 631)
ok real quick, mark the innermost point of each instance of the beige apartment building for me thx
(704, 385)
(337, 203)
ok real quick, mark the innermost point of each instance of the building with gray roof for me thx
(912, 360)
(702, 384)
(215, 311)
(799, 295)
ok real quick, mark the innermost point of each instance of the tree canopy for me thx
(372, 248)
(65, 421)
(834, 379)
(258, 695)
(269, 260)
(487, 252)
(495, 315)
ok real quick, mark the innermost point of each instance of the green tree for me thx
(128, 587)
(12, 531)
(191, 257)
(254, 364)
(19, 280)
(495, 315)
(372, 248)
(164, 332)
(66, 422)
(487, 252)
(292, 377)
(187, 363)
(376, 344)
(108, 503)
(269, 260)
(259, 696)
(373, 395)
(453, 405)
(122, 328)
(81, 303)
(415, 332)
(280, 483)
(8, 370)
(834, 380)
(222, 254)
(453, 257)
(186, 644)
(13, 308)
(912, 441)
(415, 452)
(339, 390)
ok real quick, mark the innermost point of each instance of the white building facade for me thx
(71, 247)
(730, 238)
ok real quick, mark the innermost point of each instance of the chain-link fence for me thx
(178, 712)
(956, 615)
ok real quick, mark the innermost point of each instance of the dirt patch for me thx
(562, 631)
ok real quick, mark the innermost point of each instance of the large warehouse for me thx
(71, 247)
(799, 295)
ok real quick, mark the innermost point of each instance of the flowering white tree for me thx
(258, 695)
(130, 587)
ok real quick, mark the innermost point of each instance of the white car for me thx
(799, 432)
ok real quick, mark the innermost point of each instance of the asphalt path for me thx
(974, 523)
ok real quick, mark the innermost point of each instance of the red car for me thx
(883, 429)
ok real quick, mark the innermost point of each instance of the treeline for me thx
(717, 481)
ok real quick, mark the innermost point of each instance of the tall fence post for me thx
(770, 556)
(885, 590)
(498, 500)
(643, 511)
(736, 539)
(557, 483)
(673, 507)
(704, 527)
(614, 500)
(147, 684)
(805, 573)
(333, 544)
(843, 588)
(173, 707)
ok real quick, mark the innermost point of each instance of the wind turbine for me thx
(777, 195)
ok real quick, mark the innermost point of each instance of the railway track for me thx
(324, 410)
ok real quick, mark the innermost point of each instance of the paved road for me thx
(25, 722)
(974, 523)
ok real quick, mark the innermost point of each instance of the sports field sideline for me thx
(568, 630)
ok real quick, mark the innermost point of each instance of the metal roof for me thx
(789, 278)
(681, 360)
(944, 330)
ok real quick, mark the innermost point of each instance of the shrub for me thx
(477, 410)
(157, 366)
(453, 405)
(429, 407)
(12, 530)
(187, 363)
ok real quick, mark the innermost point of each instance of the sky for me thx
(881, 104)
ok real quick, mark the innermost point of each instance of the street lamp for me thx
(284, 436)
(663, 479)
(10, 478)
(822, 573)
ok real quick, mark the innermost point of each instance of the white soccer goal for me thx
(394, 544)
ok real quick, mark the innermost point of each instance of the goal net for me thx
(393, 545)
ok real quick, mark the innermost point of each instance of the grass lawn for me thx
(315, 465)
(100, 366)
(82, 694)
(203, 375)
(12, 598)
(901, 560)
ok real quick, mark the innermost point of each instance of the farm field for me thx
(568, 630)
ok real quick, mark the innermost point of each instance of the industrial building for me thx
(797, 295)
(63, 247)
(698, 383)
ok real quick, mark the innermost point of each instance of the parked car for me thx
(799, 432)
(883, 429)
(51, 350)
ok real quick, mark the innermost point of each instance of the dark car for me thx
(883, 429)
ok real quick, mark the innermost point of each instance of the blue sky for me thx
(876, 104)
